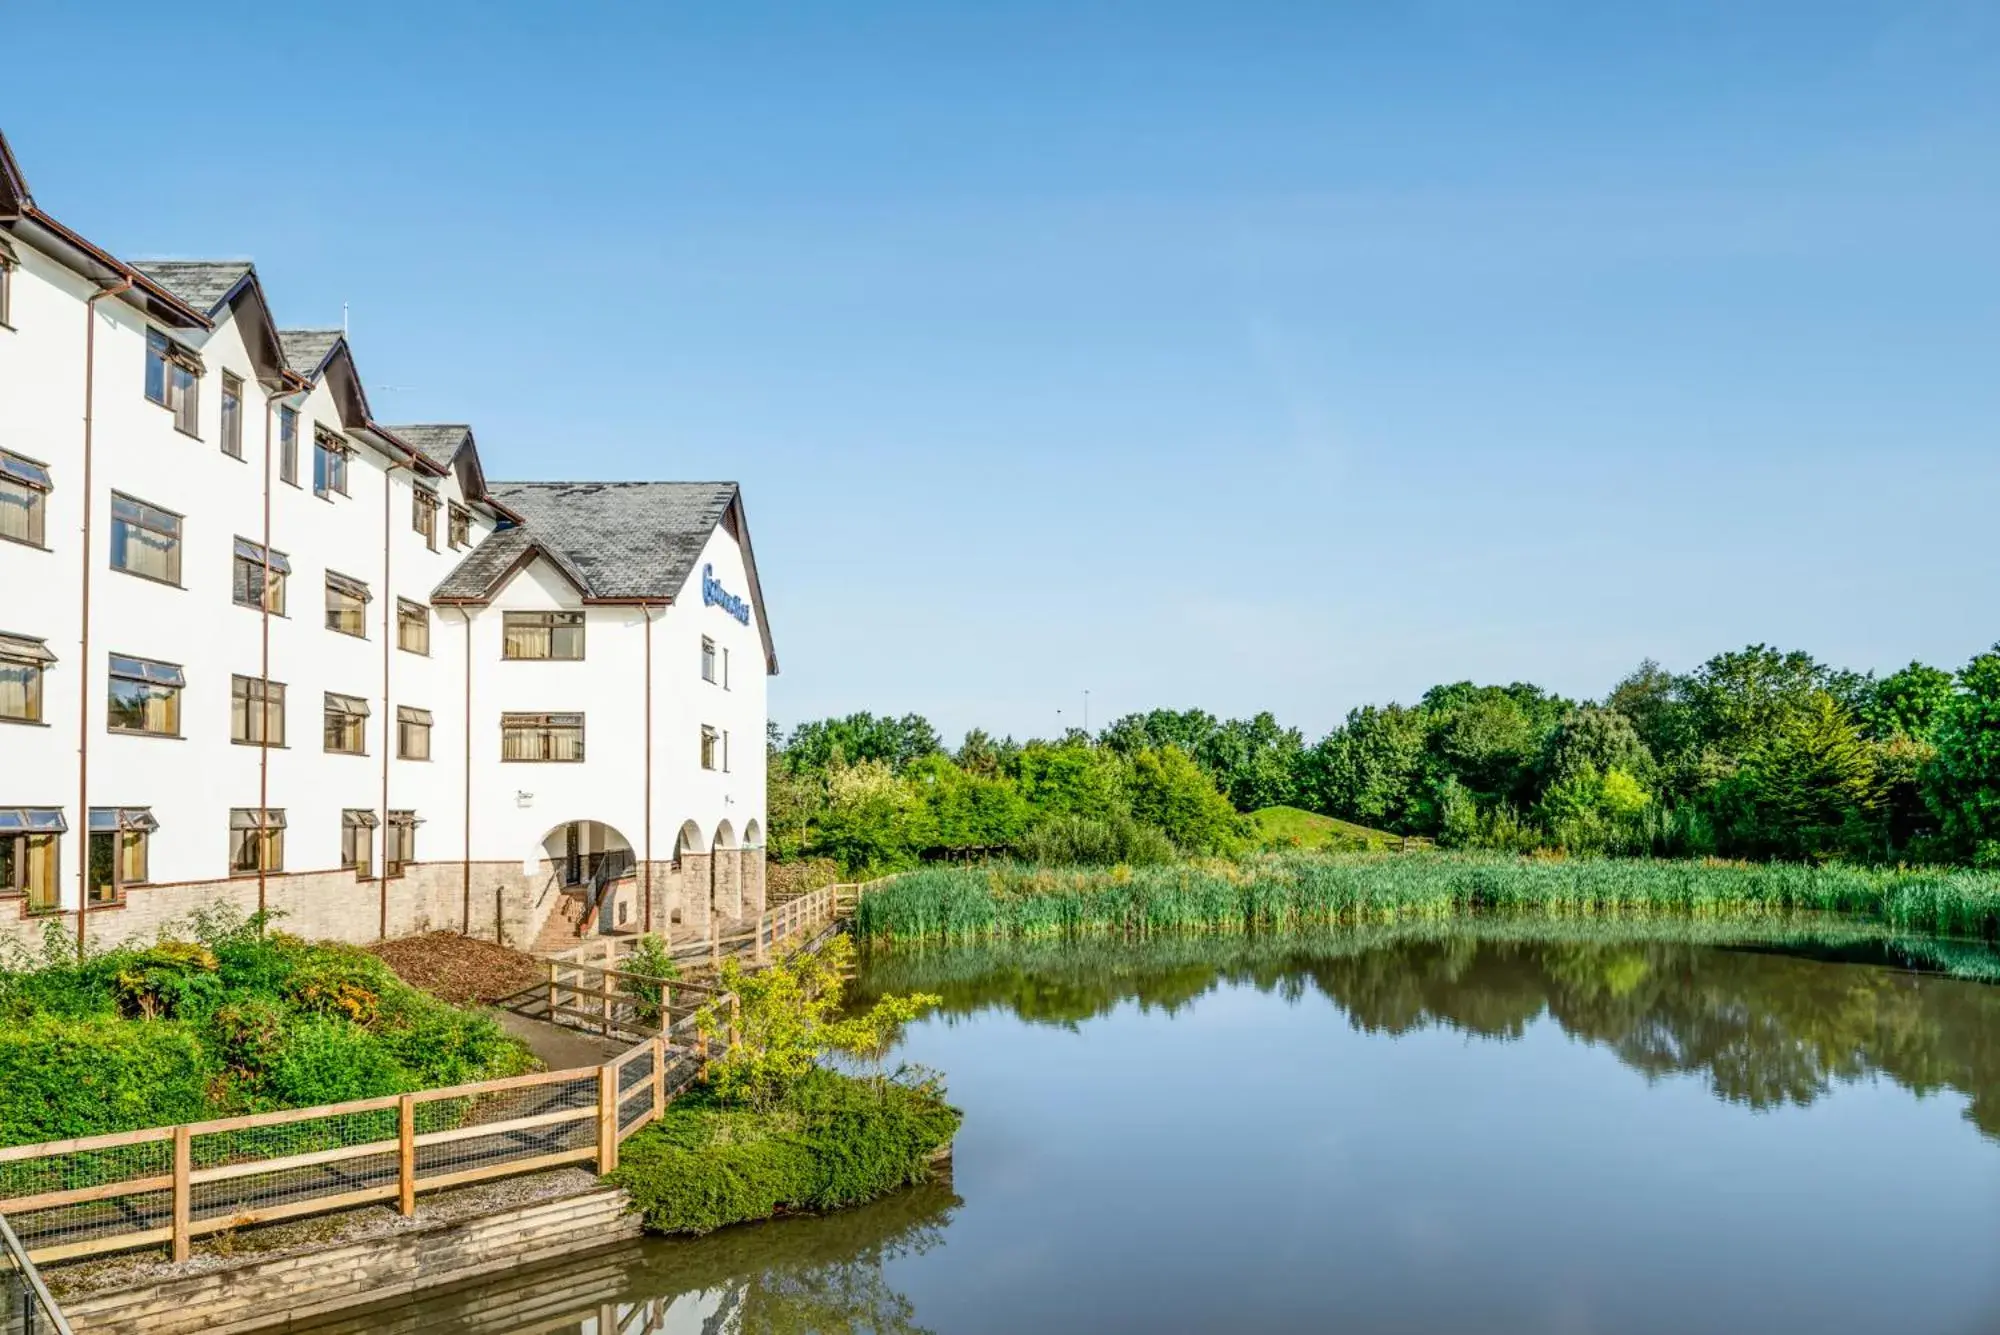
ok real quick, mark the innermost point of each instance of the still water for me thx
(1419, 1132)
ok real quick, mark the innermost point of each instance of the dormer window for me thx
(173, 380)
(329, 463)
(461, 527)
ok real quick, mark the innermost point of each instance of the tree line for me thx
(1756, 753)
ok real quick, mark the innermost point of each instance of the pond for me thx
(1479, 1129)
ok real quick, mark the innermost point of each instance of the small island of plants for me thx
(775, 1130)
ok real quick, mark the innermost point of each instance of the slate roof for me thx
(438, 442)
(202, 284)
(613, 539)
(306, 349)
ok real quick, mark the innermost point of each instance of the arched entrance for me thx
(592, 865)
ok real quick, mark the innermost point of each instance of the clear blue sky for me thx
(1235, 355)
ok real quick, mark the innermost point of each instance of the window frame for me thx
(263, 826)
(424, 506)
(404, 608)
(546, 728)
(548, 621)
(412, 722)
(335, 584)
(262, 706)
(358, 855)
(19, 843)
(352, 713)
(711, 741)
(31, 656)
(172, 579)
(288, 444)
(141, 672)
(7, 267)
(458, 526)
(126, 828)
(177, 371)
(231, 429)
(277, 568)
(399, 842)
(708, 660)
(331, 457)
(33, 480)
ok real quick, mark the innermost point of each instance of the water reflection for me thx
(1762, 1019)
(808, 1274)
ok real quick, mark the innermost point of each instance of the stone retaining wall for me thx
(271, 1294)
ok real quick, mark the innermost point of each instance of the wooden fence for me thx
(166, 1186)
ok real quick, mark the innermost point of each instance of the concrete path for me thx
(559, 1048)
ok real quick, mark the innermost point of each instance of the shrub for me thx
(173, 978)
(61, 1078)
(439, 1044)
(1082, 841)
(650, 958)
(328, 1060)
(340, 980)
(834, 1141)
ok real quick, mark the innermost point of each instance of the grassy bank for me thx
(223, 1023)
(832, 1141)
(1298, 890)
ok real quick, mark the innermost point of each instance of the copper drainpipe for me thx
(83, 648)
(465, 613)
(647, 838)
(264, 673)
(388, 609)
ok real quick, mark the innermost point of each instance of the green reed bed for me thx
(1286, 891)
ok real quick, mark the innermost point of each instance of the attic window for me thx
(461, 527)
(424, 514)
(173, 380)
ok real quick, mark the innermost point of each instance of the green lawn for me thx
(1289, 827)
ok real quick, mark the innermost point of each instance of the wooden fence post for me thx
(604, 991)
(735, 1022)
(552, 992)
(659, 1077)
(183, 1190)
(607, 1117)
(406, 1155)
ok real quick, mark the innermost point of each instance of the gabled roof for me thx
(440, 443)
(307, 351)
(202, 284)
(616, 541)
(14, 195)
(210, 286)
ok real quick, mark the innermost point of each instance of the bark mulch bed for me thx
(458, 968)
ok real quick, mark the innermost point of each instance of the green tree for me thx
(968, 811)
(1962, 786)
(1073, 780)
(1370, 769)
(1906, 703)
(895, 742)
(1171, 792)
(1593, 739)
(873, 819)
(1811, 789)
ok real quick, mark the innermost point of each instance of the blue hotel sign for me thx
(714, 595)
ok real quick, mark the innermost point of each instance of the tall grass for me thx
(1285, 891)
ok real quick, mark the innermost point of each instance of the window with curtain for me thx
(23, 659)
(329, 463)
(31, 854)
(255, 570)
(413, 733)
(711, 741)
(144, 696)
(541, 737)
(346, 724)
(399, 842)
(707, 659)
(288, 445)
(24, 489)
(528, 635)
(118, 850)
(256, 711)
(232, 415)
(424, 515)
(357, 841)
(256, 840)
(413, 627)
(145, 540)
(347, 605)
(173, 380)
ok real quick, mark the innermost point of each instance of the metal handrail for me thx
(34, 1293)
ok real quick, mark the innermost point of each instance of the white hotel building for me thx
(257, 647)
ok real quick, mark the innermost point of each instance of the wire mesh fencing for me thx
(25, 1305)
